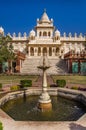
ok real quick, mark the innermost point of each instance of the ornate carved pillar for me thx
(35, 51)
(47, 51)
(41, 51)
(20, 64)
(70, 66)
(28, 51)
(54, 51)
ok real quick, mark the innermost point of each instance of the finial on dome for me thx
(45, 10)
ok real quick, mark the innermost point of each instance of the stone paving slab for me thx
(16, 125)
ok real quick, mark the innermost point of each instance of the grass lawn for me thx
(72, 79)
(14, 79)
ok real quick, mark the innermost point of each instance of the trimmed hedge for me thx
(14, 88)
(61, 83)
(25, 83)
(75, 88)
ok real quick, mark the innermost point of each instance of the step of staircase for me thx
(57, 66)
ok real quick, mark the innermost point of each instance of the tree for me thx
(6, 50)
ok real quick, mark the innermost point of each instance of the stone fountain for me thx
(36, 108)
(44, 102)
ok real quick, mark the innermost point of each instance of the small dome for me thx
(1, 30)
(32, 33)
(9, 35)
(45, 18)
(57, 33)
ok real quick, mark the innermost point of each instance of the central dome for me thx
(45, 18)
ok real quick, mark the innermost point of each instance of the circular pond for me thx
(26, 110)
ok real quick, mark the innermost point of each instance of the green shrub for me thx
(0, 85)
(25, 83)
(61, 83)
(1, 127)
(14, 88)
(74, 87)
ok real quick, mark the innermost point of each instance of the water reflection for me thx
(62, 109)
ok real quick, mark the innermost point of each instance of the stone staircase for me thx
(58, 66)
(30, 66)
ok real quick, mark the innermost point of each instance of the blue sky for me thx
(20, 15)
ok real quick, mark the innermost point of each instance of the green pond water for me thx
(26, 110)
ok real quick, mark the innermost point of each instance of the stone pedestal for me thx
(44, 102)
(45, 106)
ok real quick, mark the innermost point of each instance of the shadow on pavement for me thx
(74, 126)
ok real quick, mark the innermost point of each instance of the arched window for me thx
(57, 38)
(62, 51)
(57, 51)
(49, 34)
(50, 51)
(44, 51)
(32, 51)
(40, 33)
(32, 38)
(44, 33)
(39, 51)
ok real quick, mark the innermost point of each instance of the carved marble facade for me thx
(45, 38)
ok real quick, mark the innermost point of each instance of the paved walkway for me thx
(17, 125)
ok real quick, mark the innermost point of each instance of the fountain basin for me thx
(74, 95)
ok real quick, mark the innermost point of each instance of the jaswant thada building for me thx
(65, 54)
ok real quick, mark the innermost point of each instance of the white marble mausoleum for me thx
(46, 38)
